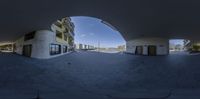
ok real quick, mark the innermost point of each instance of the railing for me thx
(58, 24)
(60, 29)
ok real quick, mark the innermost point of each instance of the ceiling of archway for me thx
(133, 18)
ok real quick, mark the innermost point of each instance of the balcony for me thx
(58, 24)
(69, 33)
(60, 40)
(57, 28)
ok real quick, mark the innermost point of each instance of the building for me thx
(84, 47)
(44, 44)
(91, 47)
(148, 46)
(121, 48)
(64, 30)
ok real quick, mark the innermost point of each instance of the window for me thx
(29, 36)
(65, 37)
(58, 34)
(64, 49)
(55, 49)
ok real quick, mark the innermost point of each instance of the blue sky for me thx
(176, 41)
(90, 31)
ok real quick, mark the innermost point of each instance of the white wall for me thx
(40, 44)
(161, 44)
(19, 45)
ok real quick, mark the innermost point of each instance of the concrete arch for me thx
(134, 19)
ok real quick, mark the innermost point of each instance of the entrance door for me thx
(152, 50)
(139, 50)
(27, 49)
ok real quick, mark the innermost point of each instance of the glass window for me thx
(58, 34)
(55, 49)
(65, 37)
(65, 49)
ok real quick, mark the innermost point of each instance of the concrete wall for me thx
(40, 44)
(161, 44)
(19, 45)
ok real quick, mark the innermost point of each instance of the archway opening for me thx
(6, 47)
(178, 46)
(93, 34)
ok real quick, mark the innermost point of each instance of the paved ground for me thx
(93, 75)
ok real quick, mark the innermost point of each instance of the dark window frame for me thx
(65, 49)
(59, 34)
(54, 49)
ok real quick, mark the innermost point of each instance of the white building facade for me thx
(41, 45)
(148, 46)
(44, 44)
(84, 47)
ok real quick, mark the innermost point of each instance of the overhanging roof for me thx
(133, 18)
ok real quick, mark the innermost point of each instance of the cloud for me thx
(91, 34)
(86, 34)
(91, 25)
(83, 35)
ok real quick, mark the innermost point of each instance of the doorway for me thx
(27, 49)
(152, 50)
(139, 50)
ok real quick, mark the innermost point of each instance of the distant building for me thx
(84, 47)
(121, 48)
(79, 46)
